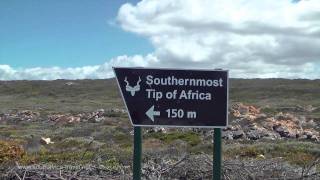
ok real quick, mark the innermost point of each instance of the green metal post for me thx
(217, 155)
(137, 153)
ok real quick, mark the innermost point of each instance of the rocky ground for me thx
(80, 130)
(63, 118)
(247, 123)
(251, 124)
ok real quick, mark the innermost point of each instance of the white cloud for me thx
(253, 39)
(86, 72)
(275, 38)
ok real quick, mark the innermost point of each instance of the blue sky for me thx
(67, 33)
(84, 39)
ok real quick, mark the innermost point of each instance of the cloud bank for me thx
(86, 72)
(253, 39)
(275, 38)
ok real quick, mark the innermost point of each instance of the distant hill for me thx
(89, 95)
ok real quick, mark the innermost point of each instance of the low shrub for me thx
(10, 151)
(191, 138)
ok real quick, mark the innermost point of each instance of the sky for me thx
(80, 39)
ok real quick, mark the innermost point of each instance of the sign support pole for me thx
(216, 175)
(137, 153)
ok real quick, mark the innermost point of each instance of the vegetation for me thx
(89, 95)
(109, 143)
(296, 152)
(190, 137)
(10, 151)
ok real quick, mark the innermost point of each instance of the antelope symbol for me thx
(133, 89)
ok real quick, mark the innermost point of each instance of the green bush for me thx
(191, 138)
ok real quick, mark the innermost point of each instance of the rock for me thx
(271, 134)
(269, 123)
(303, 137)
(280, 116)
(269, 138)
(253, 135)
(235, 128)
(227, 135)
(236, 113)
(314, 138)
(24, 115)
(286, 116)
(69, 83)
(157, 129)
(238, 120)
(249, 117)
(160, 129)
(265, 133)
(231, 128)
(261, 116)
(309, 108)
(238, 134)
(253, 126)
(245, 113)
(228, 128)
(292, 135)
(309, 134)
(100, 110)
(254, 110)
(117, 110)
(311, 123)
(243, 109)
(99, 119)
(72, 119)
(44, 140)
(131, 132)
(66, 118)
(283, 131)
(261, 156)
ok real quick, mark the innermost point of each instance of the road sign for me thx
(174, 97)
